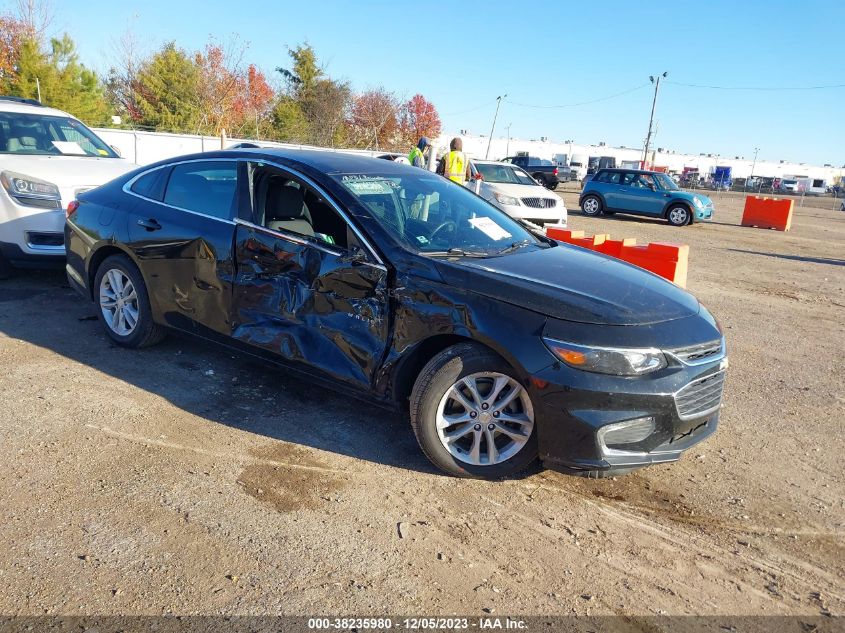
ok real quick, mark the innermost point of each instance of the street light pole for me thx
(490, 140)
(754, 164)
(508, 147)
(651, 118)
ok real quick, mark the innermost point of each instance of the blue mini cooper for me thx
(643, 193)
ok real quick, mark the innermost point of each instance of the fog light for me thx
(628, 432)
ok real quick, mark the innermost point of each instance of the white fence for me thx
(149, 147)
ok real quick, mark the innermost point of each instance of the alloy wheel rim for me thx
(590, 205)
(678, 215)
(119, 302)
(485, 418)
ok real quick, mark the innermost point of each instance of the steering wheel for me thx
(443, 225)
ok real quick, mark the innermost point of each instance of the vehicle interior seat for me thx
(22, 144)
(285, 208)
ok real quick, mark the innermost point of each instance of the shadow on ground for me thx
(798, 258)
(207, 380)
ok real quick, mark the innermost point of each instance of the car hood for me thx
(570, 283)
(520, 191)
(67, 171)
(689, 196)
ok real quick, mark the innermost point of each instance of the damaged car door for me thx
(181, 234)
(309, 289)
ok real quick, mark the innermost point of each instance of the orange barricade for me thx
(667, 260)
(768, 213)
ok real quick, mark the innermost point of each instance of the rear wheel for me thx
(124, 305)
(542, 180)
(591, 205)
(471, 416)
(678, 215)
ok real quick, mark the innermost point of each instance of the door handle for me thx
(151, 224)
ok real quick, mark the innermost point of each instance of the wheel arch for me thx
(596, 194)
(674, 203)
(97, 257)
(410, 364)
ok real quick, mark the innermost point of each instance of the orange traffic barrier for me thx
(667, 260)
(768, 213)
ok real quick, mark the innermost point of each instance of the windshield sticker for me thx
(361, 184)
(422, 239)
(489, 228)
(69, 147)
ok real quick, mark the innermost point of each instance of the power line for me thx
(483, 105)
(573, 105)
(763, 88)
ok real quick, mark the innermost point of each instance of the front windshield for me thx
(504, 174)
(38, 134)
(666, 182)
(434, 216)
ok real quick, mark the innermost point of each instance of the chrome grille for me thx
(540, 203)
(698, 353)
(701, 396)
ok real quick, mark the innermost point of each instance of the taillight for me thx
(555, 171)
(72, 206)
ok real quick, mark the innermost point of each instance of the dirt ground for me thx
(183, 480)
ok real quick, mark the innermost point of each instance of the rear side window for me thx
(207, 187)
(610, 177)
(151, 184)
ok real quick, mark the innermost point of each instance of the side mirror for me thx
(355, 257)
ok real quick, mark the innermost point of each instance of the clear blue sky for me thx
(461, 55)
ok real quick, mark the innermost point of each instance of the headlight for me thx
(503, 199)
(31, 191)
(608, 360)
(697, 201)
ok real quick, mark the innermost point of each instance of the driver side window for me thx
(285, 204)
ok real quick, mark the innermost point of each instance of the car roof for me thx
(492, 162)
(14, 104)
(630, 171)
(326, 161)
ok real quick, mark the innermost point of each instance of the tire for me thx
(541, 179)
(6, 269)
(453, 371)
(554, 186)
(591, 206)
(127, 301)
(678, 215)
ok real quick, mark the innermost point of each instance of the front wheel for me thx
(591, 205)
(124, 305)
(678, 215)
(471, 415)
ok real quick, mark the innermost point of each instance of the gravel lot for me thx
(181, 479)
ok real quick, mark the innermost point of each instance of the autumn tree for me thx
(418, 118)
(253, 102)
(374, 120)
(13, 33)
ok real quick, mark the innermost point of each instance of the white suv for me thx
(516, 193)
(47, 157)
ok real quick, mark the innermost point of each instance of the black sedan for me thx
(396, 285)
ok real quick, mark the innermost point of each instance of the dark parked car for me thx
(393, 284)
(543, 171)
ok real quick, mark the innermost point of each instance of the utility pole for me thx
(508, 147)
(490, 140)
(651, 118)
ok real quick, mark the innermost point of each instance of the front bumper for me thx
(704, 213)
(30, 235)
(557, 213)
(573, 406)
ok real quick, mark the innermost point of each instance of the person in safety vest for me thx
(417, 155)
(455, 164)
